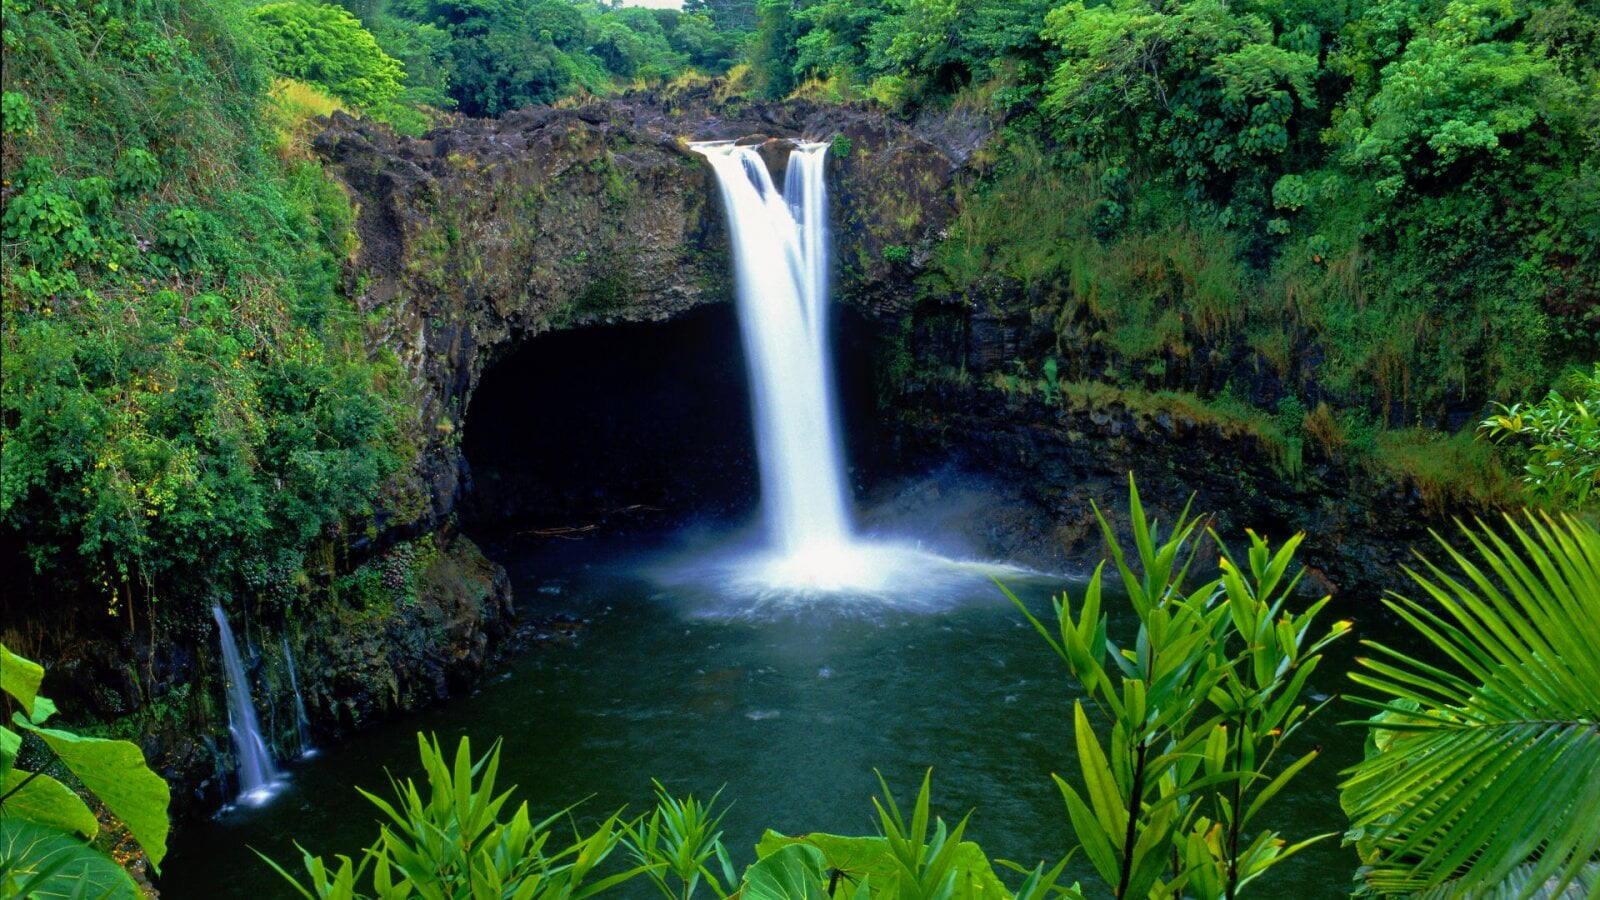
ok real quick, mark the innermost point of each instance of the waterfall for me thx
(301, 723)
(780, 264)
(258, 778)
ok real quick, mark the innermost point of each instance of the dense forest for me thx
(1365, 233)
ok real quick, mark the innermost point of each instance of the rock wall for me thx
(1052, 459)
(488, 232)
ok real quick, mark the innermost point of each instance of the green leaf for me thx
(45, 801)
(1093, 838)
(795, 872)
(59, 864)
(1499, 767)
(116, 772)
(864, 857)
(1104, 796)
(20, 677)
(1277, 784)
(10, 743)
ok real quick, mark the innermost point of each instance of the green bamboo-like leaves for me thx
(1198, 706)
(450, 841)
(682, 835)
(1488, 771)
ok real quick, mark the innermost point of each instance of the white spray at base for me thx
(780, 261)
(258, 777)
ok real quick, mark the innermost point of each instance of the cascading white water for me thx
(258, 777)
(780, 263)
(301, 723)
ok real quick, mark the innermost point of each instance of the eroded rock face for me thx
(487, 232)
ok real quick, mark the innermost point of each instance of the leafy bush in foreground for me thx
(448, 839)
(1200, 704)
(44, 824)
(1482, 774)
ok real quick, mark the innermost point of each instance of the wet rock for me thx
(775, 153)
(484, 233)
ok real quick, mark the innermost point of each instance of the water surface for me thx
(791, 713)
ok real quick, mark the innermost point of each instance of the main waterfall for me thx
(780, 260)
(780, 247)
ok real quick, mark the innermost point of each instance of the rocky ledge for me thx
(487, 232)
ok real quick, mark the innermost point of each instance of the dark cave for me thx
(636, 425)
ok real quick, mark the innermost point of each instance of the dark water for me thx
(790, 714)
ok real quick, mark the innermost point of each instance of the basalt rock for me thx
(485, 233)
(1050, 461)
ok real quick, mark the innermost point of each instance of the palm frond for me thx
(1492, 783)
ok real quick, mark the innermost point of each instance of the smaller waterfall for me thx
(258, 777)
(301, 723)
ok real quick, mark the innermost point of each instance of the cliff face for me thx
(489, 232)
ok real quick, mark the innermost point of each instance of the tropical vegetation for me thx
(1390, 209)
(1371, 228)
(1482, 774)
(46, 828)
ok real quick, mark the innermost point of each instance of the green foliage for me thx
(1200, 89)
(1200, 704)
(1563, 437)
(913, 857)
(1482, 773)
(424, 51)
(186, 402)
(1051, 386)
(904, 53)
(676, 843)
(448, 838)
(44, 823)
(38, 861)
(795, 872)
(326, 46)
(773, 49)
(490, 56)
(17, 118)
(1404, 192)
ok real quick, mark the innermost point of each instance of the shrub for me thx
(1561, 436)
(1482, 773)
(326, 46)
(1201, 704)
